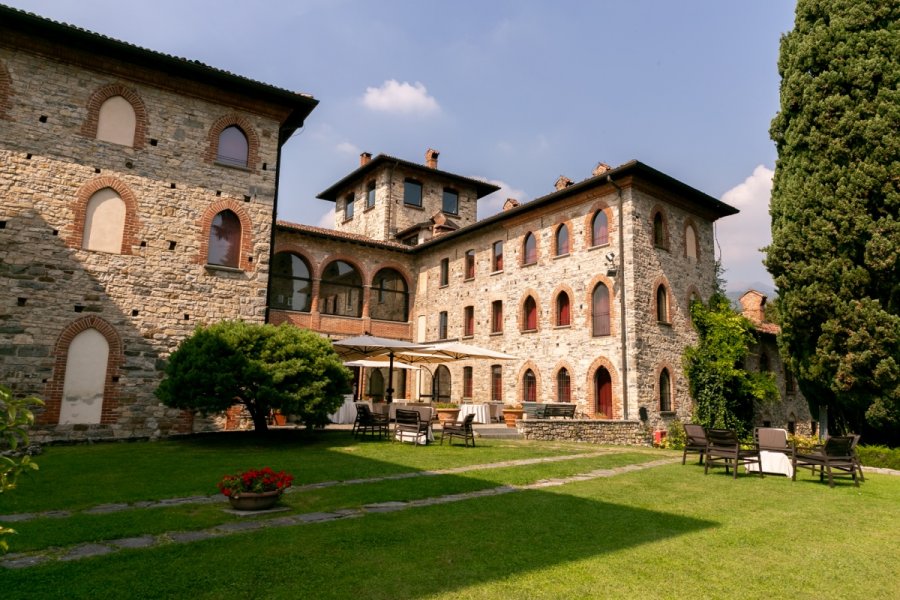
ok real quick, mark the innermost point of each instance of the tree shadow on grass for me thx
(409, 553)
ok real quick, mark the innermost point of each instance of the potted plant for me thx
(447, 412)
(256, 489)
(512, 413)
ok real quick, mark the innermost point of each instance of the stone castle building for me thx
(140, 200)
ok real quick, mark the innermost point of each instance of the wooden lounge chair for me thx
(462, 429)
(366, 420)
(408, 425)
(695, 441)
(723, 446)
(835, 456)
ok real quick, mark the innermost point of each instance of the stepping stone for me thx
(22, 562)
(86, 550)
(106, 508)
(144, 541)
(184, 537)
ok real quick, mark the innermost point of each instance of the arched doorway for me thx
(441, 385)
(603, 393)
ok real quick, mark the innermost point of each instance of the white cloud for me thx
(402, 98)
(493, 203)
(741, 236)
(326, 220)
(347, 148)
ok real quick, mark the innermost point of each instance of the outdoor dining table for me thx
(773, 462)
(482, 412)
(347, 412)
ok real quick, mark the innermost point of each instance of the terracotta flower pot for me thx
(447, 415)
(254, 501)
(511, 415)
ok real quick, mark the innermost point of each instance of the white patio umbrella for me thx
(370, 346)
(460, 351)
(378, 364)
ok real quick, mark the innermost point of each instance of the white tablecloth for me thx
(774, 462)
(347, 412)
(482, 412)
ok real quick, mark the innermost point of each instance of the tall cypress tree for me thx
(835, 252)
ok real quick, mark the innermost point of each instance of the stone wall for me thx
(151, 295)
(620, 433)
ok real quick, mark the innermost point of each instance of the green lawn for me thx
(662, 532)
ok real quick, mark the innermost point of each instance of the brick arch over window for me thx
(75, 238)
(589, 223)
(568, 291)
(670, 304)
(673, 386)
(564, 364)
(89, 127)
(53, 393)
(520, 379)
(659, 228)
(6, 92)
(592, 391)
(589, 302)
(689, 224)
(529, 293)
(227, 121)
(246, 260)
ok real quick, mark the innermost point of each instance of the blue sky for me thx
(517, 92)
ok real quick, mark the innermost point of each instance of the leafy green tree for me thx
(835, 252)
(15, 419)
(262, 367)
(723, 391)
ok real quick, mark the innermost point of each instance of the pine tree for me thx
(835, 252)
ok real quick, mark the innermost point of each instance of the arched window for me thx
(665, 391)
(85, 379)
(340, 292)
(233, 147)
(225, 240)
(603, 393)
(497, 257)
(529, 316)
(562, 240)
(470, 264)
(563, 386)
(376, 383)
(660, 235)
(600, 310)
(441, 385)
(599, 229)
(662, 304)
(690, 242)
(496, 383)
(529, 387)
(291, 283)
(104, 222)
(389, 299)
(529, 249)
(563, 310)
(467, 382)
(116, 121)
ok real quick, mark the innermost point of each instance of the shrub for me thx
(675, 438)
(880, 456)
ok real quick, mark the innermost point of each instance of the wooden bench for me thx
(541, 410)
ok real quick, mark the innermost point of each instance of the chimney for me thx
(563, 182)
(510, 203)
(431, 157)
(364, 158)
(600, 169)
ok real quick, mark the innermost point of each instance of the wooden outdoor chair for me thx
(855, 453)
(367, 421)
(408, 424)
(462, 429)
(835, 456)
(723, 446)
(771, 439)
(695, 441)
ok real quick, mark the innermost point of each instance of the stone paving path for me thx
(29, 559)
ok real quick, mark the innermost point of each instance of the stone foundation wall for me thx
(592, 431)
